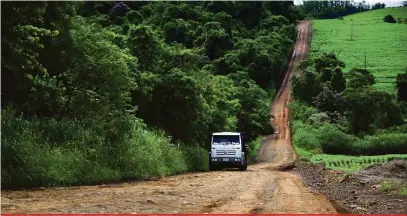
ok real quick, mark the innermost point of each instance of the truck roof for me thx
(226, 133)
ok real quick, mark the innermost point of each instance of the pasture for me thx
(364, 40)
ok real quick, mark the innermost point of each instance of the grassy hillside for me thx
(377, 15)
(384, 44)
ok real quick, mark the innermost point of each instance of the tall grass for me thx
(254, 147)
(46, 152)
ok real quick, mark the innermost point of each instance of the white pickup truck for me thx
(228, 150)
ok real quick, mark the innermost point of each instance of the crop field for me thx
(353, 163)
(363, 39)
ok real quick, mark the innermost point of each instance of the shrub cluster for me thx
(343, 114)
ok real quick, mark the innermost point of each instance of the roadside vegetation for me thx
(353, 163)
(254, 147)
(344, 114)
(394, 188)
(103, 91)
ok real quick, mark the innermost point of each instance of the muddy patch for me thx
(360, 192)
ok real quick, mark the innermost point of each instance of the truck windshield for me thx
(226, 140)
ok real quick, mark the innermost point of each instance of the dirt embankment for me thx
(374, 190)
(263, 188)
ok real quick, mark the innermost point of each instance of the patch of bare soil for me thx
(360, 192)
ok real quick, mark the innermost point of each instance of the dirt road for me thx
(260, 189)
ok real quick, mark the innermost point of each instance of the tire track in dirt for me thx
(290, 194)
(263, 188)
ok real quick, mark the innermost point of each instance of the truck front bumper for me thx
(227, 160)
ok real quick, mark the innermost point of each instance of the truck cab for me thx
(228, 150)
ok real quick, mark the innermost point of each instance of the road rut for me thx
(263, 188)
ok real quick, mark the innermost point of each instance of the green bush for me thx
(300, 111)
(388, 143)
(329, 139)
(44, 152)
(334, 141)
(254, 147)
(304, 136)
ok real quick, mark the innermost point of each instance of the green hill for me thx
(377, 15)
(384, 44)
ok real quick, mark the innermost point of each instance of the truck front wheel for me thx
(243, 167)
(212, 167)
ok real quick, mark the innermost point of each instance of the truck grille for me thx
(225, 152)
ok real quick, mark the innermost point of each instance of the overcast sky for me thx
(372, 2)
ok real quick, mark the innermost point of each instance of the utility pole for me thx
(365, 60)
(351, 33)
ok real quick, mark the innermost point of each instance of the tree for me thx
(144, 45)
(178, 30)
(261, 59)
(378, 5)
(389, 19)
(306, 87)
(332, 9)
(359, 78)
(329, 101)
(272, 22)
(176, 106)
(253, 115)
(214, 39)
(369, 108)
(401, 85)
(28, 37)
(361, 109)
(101, 76)
(134, 17)
(226, 21)
(327, 60)
(249, 12)
(338, 81)
(227, 65)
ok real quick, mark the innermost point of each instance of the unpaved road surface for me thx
(263, 188)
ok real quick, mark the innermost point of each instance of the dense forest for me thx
(103, 91)
(342, 113)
